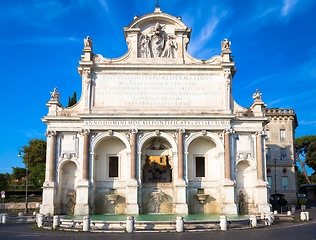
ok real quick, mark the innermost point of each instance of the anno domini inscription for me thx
(156, 90)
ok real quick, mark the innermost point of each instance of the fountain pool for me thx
(157, 217)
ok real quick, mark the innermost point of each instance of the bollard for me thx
(307, 216)
(20, 214)
(275, 212)
(289, 213)
(180, 224)
(130, 224)
(86, 223)
(56, 221)
(4, 218)
(40, 220)
(253, 221)
(293, 210)
(1, 218)
(223, 223)
(303, 216)
(34, 213)
(263, 215)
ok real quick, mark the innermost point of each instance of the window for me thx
(282, 135)
(200, 167)
(268, 153)
(269, 181)
(113, 166)
(267, 134)
(285, 184)
(283, 153)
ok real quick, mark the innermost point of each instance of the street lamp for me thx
(20, 150)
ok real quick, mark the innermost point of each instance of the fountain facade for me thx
(156, 125)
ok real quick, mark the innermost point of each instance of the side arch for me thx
(218, 142)
(100, 137)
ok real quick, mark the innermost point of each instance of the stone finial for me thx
(55, 95)
(257, 96)
(87, 42)
(226, 44)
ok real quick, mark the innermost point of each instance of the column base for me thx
(81, 209)
(181, 206)
(228, 189)
(262, 197)
(82, 198)
(132, 206)
(48, 204)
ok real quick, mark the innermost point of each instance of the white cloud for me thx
(303, 122)
(288, 6)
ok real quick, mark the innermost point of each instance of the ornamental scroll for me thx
(157, 44)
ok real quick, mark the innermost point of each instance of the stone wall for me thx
(19, 206)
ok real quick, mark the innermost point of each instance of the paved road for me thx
(280, 231)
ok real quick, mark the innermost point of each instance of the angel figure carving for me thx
(144, 46)
(87, 42)
(257, 96)
(226, 44)
(55, 95)
(170, 47)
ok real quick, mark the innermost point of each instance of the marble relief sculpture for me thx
(158, 44)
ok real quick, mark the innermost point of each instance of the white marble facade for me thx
(155, 103)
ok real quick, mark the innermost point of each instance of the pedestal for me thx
(262, 197)
(82, 198)
(228, 190)
(181, 206)
(49, 199)
(131, 201)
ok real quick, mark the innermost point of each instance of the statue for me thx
(144, 46)
(87, 42)
(171, 47)
(226, 44)
(257, 96)
(157, 40)
(55, 95)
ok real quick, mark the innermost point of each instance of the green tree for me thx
(4, 184)
(301, 178)
(305, 148)
(72, 101)
(35, 152)
(18, 173)
(37, 176)
(311, 155)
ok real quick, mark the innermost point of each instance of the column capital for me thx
(229, 131)
(84, 131)
(50, 133)
(259, 133)
(180, 130)
(133, 131)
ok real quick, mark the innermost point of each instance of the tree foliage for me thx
(72, 101)
(37, 176)
(305, 148)
(34, 153)
(18, 173)
(3, 182)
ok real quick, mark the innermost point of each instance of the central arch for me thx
(157, 160)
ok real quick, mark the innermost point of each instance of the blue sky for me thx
(273, 44)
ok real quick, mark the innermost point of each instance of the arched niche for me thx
(156, 160)
(67, 187)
